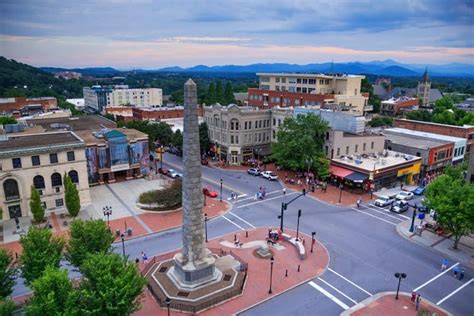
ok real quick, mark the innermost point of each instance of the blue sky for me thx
(152, 34)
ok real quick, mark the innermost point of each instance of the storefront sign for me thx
(120, 167)
(415, 169)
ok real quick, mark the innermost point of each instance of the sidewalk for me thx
(385, 304)
(444, 244)
(394, 191)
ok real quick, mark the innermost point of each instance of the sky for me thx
(152, 33)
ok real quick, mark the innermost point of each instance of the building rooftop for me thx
(397, 100)
(13, 143)
(465, 126)
(75, 123)
(368, 163)
(414, 141)
(308, 75)
(97, 137)
(424, 134)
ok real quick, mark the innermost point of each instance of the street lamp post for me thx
(340, 192)
(107, 212)
(284, 206)
(123, 245)
(412, 226)
(399, 276)
(205, 224)
(298, 225)
(168, 303)
(271, 275)
(221, 191)
(312, 240)
(161, 157)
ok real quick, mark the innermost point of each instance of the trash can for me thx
(418, 230)
(421, 215)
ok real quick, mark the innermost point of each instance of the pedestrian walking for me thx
(456, 270)
(359, 202)
(418, 301)
(444, 264)
(256, 196)
(461, 274)
(144, 257)
(137, 261)
(284, 191)
(413, 297)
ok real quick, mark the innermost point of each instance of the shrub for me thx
(163, 200)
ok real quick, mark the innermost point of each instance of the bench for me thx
(298, 244)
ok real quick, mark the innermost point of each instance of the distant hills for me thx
(383, 68)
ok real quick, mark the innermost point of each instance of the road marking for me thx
(455, 291)
(238, 197)
(381, 219)
(230, 221)
(388, 211)
(436, 276)
(350, 282)
(265, 200)
(338, 291)
(253, 197)
(243, 220)
(329, 295)
(384, 213)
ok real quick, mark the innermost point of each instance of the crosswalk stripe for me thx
(329, 295)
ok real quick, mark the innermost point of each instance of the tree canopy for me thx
(300, 140)
(381, 121)
(374, 100)
(204, 140)
(35, 205)
(7, 120)
(7, 274)
(453, 200)
(157, 132)
(87, 237)
(444, 112)
(71, 196)
(177, 139)
(40, 249)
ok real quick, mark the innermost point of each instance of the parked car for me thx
(173, 174)
(419, 191)
(384, 201)
(209, 192)
(269, 175)
(404, 195)
(254, 171)
(399, 206)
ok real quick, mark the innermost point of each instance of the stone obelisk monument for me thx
(194, 266)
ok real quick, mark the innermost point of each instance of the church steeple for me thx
(425, 77)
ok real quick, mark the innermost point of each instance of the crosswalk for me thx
(382, 214)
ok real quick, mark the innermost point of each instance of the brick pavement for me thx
(386, 304)
(257, 286)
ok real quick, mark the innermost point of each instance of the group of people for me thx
(457, 270)
(416, 299)
(260, 195)
(233, 195)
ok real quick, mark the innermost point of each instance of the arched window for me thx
(10, 188)
(56, 180)
(74, 176)
(38, 181)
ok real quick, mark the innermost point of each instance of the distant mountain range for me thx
(383, 68)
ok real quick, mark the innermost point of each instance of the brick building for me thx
(394, 106)
(21, 106)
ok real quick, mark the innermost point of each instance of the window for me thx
(291, 80)
(279, 122)
(10, 188)
(264, 79)
(245, 125)
(356, 148)
(236, 139)
(347, 150)
(231, 139)
(70, 156)
(250, 125)
(327, 135)
(277, 79)
(363, 147)
(372, 145)
(38, 182)
(273, 134)
(312, 81)
(53, 158)
(35, 160)
(291, 89)
(59, 202)
(338, 152)
(274, 121)
(56, 180)
(74, 176)
(283, 80)
(16, 163)
(298, 80)
(418, 154)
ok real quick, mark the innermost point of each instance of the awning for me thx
(356, 177)
(339, 172)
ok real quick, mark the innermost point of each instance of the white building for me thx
(144, 98)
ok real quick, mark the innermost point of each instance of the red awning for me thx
(339, 172)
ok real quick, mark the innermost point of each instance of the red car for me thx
(209, 192)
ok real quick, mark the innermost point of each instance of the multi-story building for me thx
(423, 90)
(97, 98)
(40, 160)
(21, 106)
(290, 89)
(339, 143)
(394, 106)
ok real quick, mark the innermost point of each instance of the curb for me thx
(375, 297)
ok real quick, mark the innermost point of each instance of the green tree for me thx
(300, 140)
(52, 294)
(211, 94)
(7, 120)
(228, 94)
(40, 249)
(7, 307)
(204, 140)
(374, 100)
(35, 205)
(220, 93)
(381, 121)
(453, 200)
(7, 274)
(177, 139)
(71, 196)
(322, 167)
(109, 287)
(87, 237)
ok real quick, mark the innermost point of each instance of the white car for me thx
(173, 174)
(384, 201)
(269, 175)
(404, 195)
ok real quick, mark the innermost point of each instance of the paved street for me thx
(365, 250)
